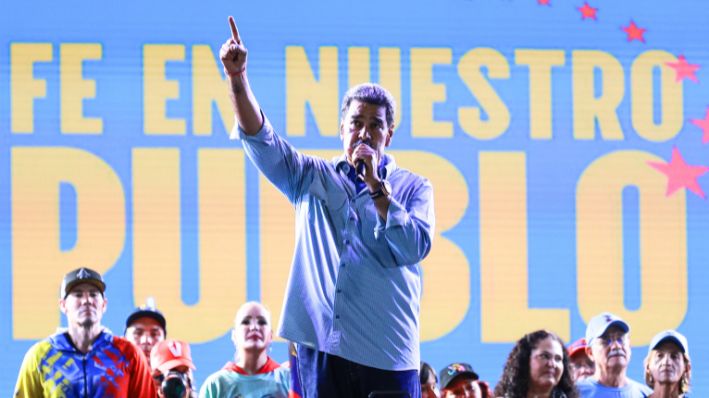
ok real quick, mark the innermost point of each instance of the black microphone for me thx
(359, 164)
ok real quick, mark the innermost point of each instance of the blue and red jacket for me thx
(113, 368)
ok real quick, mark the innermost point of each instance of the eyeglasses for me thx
(607, 341)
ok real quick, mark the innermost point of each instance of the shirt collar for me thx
(269, 366)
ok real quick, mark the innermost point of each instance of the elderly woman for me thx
(538, 366)
(667, 366)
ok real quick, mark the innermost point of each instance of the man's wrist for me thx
(235, 73)
(382, 188)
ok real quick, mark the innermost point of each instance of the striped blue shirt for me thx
(355, 281)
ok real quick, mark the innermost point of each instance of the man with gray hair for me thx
(363, 226)
(608, 345)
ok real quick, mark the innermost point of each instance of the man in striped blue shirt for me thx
(363, 225)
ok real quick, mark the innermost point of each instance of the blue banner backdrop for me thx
(566, 141)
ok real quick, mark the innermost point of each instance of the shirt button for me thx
(346, 241)
(337, 317)
(339, 290)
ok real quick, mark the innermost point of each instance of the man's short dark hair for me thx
(370, 93)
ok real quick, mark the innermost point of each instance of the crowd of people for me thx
(351, 308)
(87, 360)
(592, 367)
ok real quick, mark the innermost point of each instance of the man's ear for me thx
(62, 306)
(390, 135)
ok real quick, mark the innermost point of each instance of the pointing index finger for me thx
(234, 30)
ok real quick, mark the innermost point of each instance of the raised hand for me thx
(233, 53)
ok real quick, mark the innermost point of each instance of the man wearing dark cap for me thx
(458, 380)
(85, 360)
(146, 327)
(608, 345)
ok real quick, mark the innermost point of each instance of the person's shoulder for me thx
(645, 390)
(127, 349)
(282, 373)
(585, 385)
(589, 387)
(38, 350)
(407, 177)
(122, 344)
(221, 376)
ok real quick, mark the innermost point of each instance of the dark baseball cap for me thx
(81, 275)
(147, 311)
(455, 370)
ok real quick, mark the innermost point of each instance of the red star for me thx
(544, 2)
(704, 125)
(635, 32)
(680, 174)
(683, 69)
(588, 12)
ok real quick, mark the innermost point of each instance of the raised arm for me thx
(246, 108)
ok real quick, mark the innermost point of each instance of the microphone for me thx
(359, 164)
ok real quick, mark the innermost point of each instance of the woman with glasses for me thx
(538, 367)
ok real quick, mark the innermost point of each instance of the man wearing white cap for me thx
(609, 347)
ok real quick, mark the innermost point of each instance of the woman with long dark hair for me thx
(537, 367)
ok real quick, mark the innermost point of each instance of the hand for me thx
(366, 154)
(233, 53)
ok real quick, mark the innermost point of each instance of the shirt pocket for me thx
(333, 197)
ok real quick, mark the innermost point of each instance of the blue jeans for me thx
(321, 375)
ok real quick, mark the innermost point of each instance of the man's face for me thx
(83, 306)
(365, 123)
(611, 351)
(581, 366)
(252, 328)
(666, 364)
(462, 387)
(145, 332)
